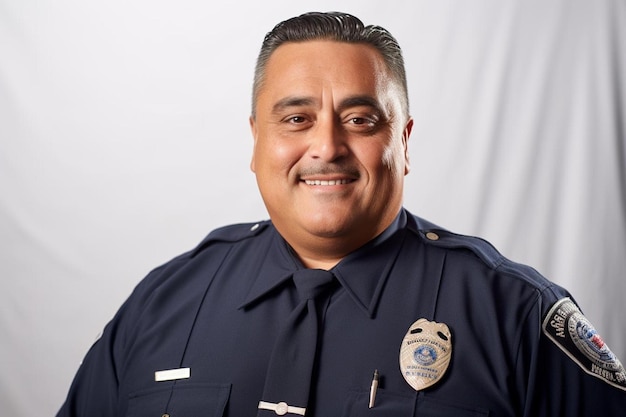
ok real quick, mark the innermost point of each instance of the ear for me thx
(253, 129)
(405, 143)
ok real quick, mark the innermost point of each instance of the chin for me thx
(331, 228)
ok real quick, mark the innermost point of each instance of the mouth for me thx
(328, 182)
(328, 176)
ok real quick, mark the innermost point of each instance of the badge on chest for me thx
(425, 353)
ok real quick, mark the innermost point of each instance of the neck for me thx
(326, 252)
(316, 263)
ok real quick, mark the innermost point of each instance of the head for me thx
(330, 124)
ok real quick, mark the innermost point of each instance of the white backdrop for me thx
(124, 140)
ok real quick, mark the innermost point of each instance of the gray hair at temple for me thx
(336, 26)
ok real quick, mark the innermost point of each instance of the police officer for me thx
(407, 318)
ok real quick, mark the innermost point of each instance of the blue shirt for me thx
(217, 309)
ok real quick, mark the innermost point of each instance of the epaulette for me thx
(434, 235)
(231, 233)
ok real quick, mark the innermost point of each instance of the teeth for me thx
(330, 182)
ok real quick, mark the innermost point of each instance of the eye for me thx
(295, 119)
(362, 122)
(296, 122)
(359, 120)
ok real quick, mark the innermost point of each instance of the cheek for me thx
(389, 159)
(276, 157)
(395, 161)
(383, 162)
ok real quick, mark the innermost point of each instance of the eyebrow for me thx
(291, 101)
(352, 101)
(362, 100)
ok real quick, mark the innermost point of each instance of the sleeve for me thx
(94, 390)
(567, 368)
(98, 387)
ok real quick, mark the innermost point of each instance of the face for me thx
(330, 144)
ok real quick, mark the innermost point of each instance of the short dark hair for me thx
(336, 26)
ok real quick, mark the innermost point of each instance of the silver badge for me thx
(425, 353)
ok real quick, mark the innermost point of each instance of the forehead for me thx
(310, 67)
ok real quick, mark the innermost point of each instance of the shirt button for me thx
(281, 408)
(432, 236)
(253, 228)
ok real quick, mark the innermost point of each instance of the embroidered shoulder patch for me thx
(566, 326)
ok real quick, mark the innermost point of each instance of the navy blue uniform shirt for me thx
(215, 312)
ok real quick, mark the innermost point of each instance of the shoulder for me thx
(474, 251)
(205, 258)
(437, 236)
(475, 264)
(179, 284)
(232, 234)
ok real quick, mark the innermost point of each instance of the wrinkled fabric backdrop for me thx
(124, 139)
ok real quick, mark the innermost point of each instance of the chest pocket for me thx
(189, 400)
(389, 404)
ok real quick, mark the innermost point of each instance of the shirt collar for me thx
(362, 273)
(274, 270)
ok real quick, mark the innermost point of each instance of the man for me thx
(410, 320)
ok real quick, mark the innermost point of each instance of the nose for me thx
(327, 141)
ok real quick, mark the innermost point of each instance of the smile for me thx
(327, 182)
